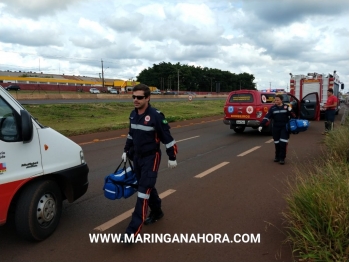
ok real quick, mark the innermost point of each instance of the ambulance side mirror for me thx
(342, 86)
(27, 126)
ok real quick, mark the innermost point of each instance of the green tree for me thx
(165, 76)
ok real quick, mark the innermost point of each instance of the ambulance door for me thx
(20, 156)
(310, 107)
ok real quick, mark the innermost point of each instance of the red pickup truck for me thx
(247, 108)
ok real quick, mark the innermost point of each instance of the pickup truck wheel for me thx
(239, 129)
(38, 210)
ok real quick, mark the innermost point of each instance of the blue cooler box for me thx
(297, 125)
(112, 191)
(123, 183)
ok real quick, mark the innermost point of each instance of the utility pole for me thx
(102, 75)
(178, 81)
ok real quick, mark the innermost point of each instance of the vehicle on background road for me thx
(94, 91)
(155, 92)
(170, 93)
(39, 168)
(13, 87)
(113, 91)
(247, 108)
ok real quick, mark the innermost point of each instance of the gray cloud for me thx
(290, 49)
(259, 37)
(284, 12)
(190, 53)
(126, 23)
(36, 8)
(264, 18)
(89, 42)
(42, 37)
(185, 34)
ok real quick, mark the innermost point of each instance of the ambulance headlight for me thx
(259, 114)
(82, 157)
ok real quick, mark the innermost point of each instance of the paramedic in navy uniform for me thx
(281, 114)
(148, 127)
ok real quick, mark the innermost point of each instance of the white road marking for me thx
(187, 138)
(269, 141)
(208, 171)
(249, 151)
(102, 140)
(99, 140)
(127, 214)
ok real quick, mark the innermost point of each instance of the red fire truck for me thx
(301, 85)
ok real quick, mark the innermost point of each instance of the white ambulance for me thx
(39, 168)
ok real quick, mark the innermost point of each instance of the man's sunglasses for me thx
(138, 97)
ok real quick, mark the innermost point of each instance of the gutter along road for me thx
(224, 183)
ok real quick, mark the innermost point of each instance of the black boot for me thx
(125, 240)
(277, 152)
(154, 216)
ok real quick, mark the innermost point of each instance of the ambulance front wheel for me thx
(38, 210)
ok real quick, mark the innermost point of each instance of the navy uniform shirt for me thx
(280, 114)
(147, 130)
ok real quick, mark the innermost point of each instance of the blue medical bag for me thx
(295, 126)
(120, 184)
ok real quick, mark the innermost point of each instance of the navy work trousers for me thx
(146, 169)
(280, 136)
(330, 115)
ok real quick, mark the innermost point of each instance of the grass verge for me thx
(77, 119)
(317, 218)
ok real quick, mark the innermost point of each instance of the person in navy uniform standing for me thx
(148, 127)
(281, 114)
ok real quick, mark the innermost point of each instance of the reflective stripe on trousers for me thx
(146, 169)
(280, 136)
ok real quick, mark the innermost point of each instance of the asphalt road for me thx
(240, 190)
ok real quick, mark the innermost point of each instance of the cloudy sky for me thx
(266, 38)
